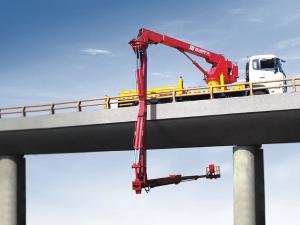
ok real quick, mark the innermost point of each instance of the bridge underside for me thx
(221, 122)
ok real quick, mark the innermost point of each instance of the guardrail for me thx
(250, 87)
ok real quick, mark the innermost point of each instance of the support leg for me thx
(12, 190)
(244, 185)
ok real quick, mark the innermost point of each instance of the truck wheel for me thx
(153, 101)
(260, 92)
(179, 99)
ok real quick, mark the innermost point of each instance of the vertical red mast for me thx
(140, 181)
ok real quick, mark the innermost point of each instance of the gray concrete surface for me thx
(12, 190)
(244, 185)
(220, 122)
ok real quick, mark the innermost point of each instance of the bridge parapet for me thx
(107, 102)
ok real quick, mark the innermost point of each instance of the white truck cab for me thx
(265, 68)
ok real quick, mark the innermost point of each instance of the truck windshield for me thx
(267, 64)
(273, 64)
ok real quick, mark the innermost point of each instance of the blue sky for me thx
(71, 49)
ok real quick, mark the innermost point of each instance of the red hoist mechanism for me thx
(222, 71)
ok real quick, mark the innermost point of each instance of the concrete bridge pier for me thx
(248, 185)
(12, 190)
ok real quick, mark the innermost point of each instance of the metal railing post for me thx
(211, 92)
(52, 110)
(107, 101)
(294, 85)
(251, 88)
(24, 111)
(79, 106)
(174, 96)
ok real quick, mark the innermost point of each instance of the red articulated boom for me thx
(220, 65)
(222, 71)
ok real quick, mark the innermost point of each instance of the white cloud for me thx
(288, 43)
(96, 51)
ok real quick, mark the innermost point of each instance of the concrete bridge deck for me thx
(248, 120)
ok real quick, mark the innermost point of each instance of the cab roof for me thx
(268, 56)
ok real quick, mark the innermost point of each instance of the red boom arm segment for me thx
(220, 68)
(212, 172)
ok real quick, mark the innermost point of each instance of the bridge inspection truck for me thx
(264, 75)
(265, 72)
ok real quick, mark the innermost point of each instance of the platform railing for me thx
(172, 94)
